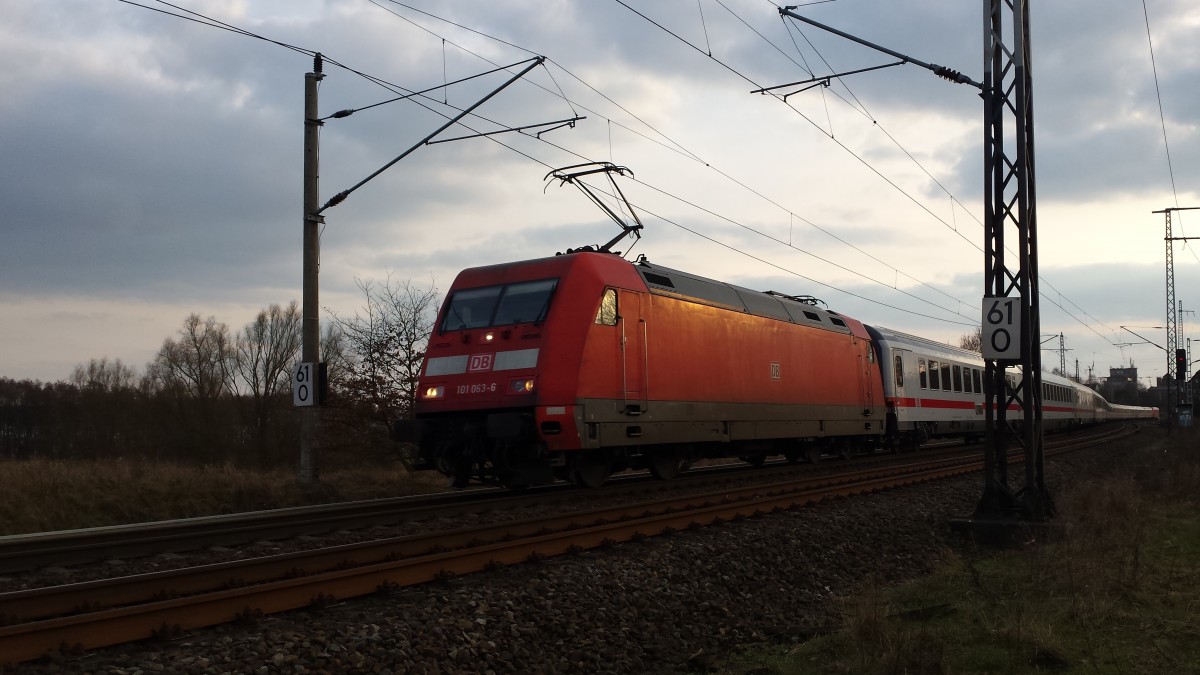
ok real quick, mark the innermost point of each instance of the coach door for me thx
(900, 359)
(634, 334)
(866, 385)
(901, 376)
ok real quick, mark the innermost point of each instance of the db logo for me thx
(480, 362)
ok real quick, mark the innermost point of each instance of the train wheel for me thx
(665, 464)
(755, 460)
(591, 469)
(793, 456)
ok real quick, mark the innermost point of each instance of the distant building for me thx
(1121, 386)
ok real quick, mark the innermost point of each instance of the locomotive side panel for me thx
(695, 373)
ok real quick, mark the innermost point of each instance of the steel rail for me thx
(27, 641)
(23, 552)
(30, 640)
(51, 601)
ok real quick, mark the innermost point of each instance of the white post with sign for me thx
(304, 388)
(1002, 328)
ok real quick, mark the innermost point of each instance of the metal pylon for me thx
(1010, 219)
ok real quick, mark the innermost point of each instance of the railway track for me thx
(24, 552)
(97, 614)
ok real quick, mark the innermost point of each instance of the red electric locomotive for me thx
(579, 364)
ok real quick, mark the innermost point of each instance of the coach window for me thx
(899, 371)
(921, 372)
(607, 314)
(945, 377)
(967, 379)
(958, 378)
(976, 378)
(935, 381)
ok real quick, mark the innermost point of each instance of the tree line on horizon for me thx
(212, 396)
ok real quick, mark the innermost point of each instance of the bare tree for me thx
(972, 341)
(104, 375)
(105, 421)
(385, 344)
(335, 355)
(265, 349)
(200, 361)
(193, 373)
(264, 352)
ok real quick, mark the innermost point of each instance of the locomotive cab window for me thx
(524, 302)
(505, 305)
(471, 308)
(607, 314)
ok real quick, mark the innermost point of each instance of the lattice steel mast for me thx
(1010, 204)
(1175, 393)
(1011, 315)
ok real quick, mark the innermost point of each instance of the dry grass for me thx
(43, 495)
(1118, 592)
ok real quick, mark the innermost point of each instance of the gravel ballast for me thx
(677, 603)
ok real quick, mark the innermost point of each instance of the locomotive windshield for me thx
(503, 305)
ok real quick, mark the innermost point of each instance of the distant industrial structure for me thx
(1122, 386)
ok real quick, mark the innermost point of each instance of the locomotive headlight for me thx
(522, 385)
(433, 392)
(489, 336)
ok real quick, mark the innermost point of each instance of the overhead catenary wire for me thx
(665, 142)
(1162, 118)
(674, 144)
(863, 161)
(412, 94)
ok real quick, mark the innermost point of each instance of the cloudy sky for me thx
(150, 166)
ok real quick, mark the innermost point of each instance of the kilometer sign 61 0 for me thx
(304, 391)
(1002, 328)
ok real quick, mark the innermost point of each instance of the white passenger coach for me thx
(936, 391)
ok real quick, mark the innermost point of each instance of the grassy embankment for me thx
(43, 495)
(1118, 591)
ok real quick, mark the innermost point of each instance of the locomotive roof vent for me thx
(772, 305)
(658, 280)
